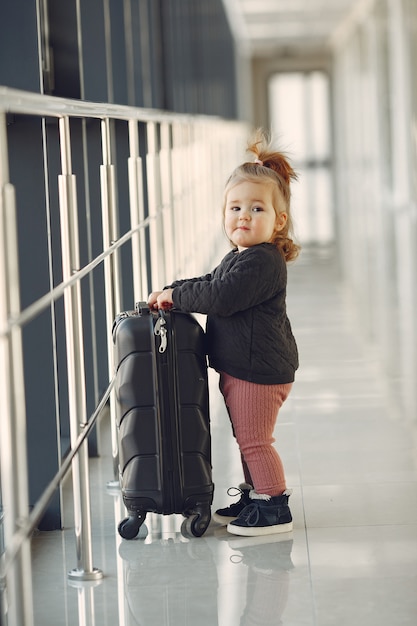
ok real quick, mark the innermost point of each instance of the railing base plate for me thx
(83, 576)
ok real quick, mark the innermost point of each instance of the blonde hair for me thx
(270, 167)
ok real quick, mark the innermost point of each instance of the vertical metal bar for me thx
(75, 360)
(4, 156)
(13, 452)
(137, 213)
(90, 258)
(110, 215)
(112, 283)
(165, 160)
(154, 203)
(183, 186)
(176, 191)
(191, 189)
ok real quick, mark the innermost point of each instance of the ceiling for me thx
(302, 27)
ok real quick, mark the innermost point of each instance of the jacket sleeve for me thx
(254, 278)
(178, 283)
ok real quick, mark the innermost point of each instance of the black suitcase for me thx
(162, 412)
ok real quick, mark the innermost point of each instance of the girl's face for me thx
(250, 217)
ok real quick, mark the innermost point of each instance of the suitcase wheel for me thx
(196, 522)
(129, 527)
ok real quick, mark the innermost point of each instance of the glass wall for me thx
(375, 108)
(176, 55)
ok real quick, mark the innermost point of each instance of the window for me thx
(300, 121)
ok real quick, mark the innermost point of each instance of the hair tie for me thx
(258, 161)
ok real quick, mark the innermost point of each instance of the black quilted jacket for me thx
(248, 331)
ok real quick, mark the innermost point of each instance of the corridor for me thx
(350, 457)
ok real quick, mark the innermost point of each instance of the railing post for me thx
(137, 214)
(167, 196)
(154, 203)
(112, 284)
(75, 360)
(17, 601)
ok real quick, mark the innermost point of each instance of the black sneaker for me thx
(265, 515)
(230, 513)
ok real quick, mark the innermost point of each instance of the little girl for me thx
(250, 342)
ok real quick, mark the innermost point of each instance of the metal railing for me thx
(176, 168)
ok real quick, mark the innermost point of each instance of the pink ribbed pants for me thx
(253, 411)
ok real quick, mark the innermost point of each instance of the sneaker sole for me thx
(258, 531)
(222, 519)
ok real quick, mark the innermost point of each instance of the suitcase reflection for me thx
(168, 578)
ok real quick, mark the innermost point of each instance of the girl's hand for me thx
(164, 299)
(153, 298)
(161, 299)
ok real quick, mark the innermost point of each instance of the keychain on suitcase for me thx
(161, 330)
(163, 418)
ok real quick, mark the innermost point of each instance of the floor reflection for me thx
(268, 562)
(168, 578)
(86, 601)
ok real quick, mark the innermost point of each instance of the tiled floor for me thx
(351, 461)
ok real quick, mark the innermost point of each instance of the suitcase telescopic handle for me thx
(141, 308)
